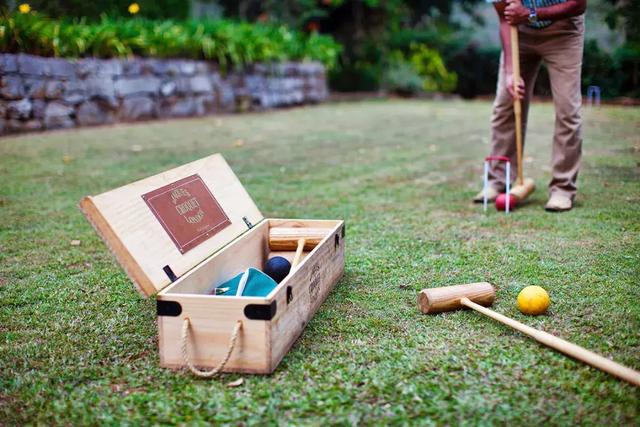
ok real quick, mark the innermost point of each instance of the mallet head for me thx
(287, 238)
(523, 190)
(447, 298)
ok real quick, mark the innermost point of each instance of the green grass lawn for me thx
(78, 345)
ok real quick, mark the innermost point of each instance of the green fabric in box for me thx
(258, 284)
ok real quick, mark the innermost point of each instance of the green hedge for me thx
(227, 42)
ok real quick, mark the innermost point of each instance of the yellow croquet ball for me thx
(533, 300)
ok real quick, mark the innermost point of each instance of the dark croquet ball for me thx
(277, 268)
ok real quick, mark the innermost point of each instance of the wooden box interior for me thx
(249, 250)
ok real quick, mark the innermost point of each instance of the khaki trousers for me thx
(560, 46)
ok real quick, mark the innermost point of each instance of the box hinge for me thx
(246, 221)
(170, 274)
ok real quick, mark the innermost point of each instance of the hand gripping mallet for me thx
(475, 295)
(524, 187)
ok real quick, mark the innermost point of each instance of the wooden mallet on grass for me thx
(477, 295)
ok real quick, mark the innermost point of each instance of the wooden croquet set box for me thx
(181, 233)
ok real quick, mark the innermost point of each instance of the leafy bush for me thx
(422, 70)
(401, 77)
(627, 59)
(617, 73)
(600, 69)
(360, 66)
(363, 76)
(476, 68)
(429, 65)
(227, 42)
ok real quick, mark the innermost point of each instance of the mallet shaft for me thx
(561, 345)
(517, 107)
(296, 258)
(298, 255)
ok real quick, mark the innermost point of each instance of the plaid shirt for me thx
(536, 4)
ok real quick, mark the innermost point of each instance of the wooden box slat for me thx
(211, 326)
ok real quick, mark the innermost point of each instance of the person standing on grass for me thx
(551, 31)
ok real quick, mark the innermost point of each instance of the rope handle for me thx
(187, 359)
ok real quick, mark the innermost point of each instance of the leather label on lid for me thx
(187, 211)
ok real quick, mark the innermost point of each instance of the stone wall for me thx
(48, 93)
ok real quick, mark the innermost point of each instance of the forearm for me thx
(515, 86)
(563, 10)
(505, 38)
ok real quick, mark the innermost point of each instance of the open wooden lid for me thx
(162, 226)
